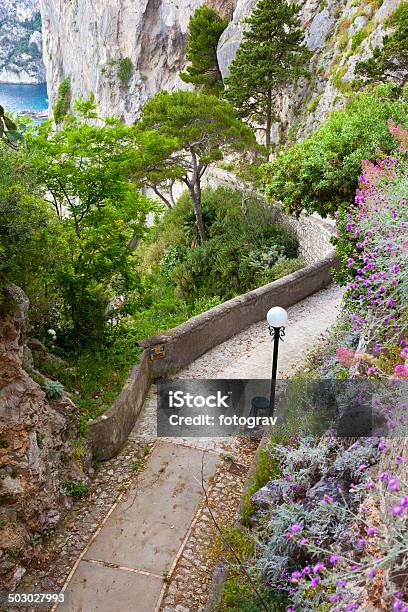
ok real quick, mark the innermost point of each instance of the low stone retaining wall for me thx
(188, 341)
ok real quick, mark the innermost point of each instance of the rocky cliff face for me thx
(36, 457)
(93, 42)
(21, 42)
(339, 33)
(87, 41)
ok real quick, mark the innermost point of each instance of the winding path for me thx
(148, 553)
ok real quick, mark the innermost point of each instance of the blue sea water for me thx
(16, 98)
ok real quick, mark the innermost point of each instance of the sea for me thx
(28, 98)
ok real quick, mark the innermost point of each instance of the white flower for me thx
(52, 332)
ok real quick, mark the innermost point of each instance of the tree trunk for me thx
(194, 186)
(244, 205)
(196, 197)
(268, 121)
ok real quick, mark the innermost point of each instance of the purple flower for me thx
(404, 501)
(296, 527)
(381, 445)
(371, 531)
(372, 572)
(395, 269)
(362, 467)
(393, 484)
(397, 510)
(295, 576)
(333, 559)
(315, 582)
(306, 570)
(319, 567)
(334, 597)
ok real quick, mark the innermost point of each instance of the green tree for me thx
(8, 130)
(320, 174)
(204, 32)
(202, 130)
(271, 57)
(28, 230)
(83, 168)
(391, 61)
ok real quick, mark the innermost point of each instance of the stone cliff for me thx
(123, 51)
(20, 42)
(37, 455)
(339, 33)
(90, 42)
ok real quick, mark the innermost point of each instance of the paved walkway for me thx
(133, 555)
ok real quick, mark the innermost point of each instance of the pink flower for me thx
(401, 371)
(344, 356)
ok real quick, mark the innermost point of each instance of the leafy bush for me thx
(320, 174)
(237, 257)
(75, 489)
(125, 70)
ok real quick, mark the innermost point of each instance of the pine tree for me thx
(204, 32)
(271, 56)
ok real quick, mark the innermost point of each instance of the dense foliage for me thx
(240, 253)
(83, 168)
(320, 174)
(204, 32)
(270, 57)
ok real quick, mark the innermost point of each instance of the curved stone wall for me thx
(185, 343)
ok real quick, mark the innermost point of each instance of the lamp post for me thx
(277, 318)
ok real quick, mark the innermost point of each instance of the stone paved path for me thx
(146, 556)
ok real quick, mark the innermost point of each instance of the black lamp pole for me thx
(277, 334)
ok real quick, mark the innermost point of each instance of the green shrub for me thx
(125, 70)
(238, 255)
(320, 174)
(63, 102)
(75, 489)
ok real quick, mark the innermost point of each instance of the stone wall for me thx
(185, 343)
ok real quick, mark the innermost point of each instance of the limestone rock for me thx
(21, 42)
(33, 441)
(151, 33)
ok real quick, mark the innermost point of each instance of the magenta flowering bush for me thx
(373, 244)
